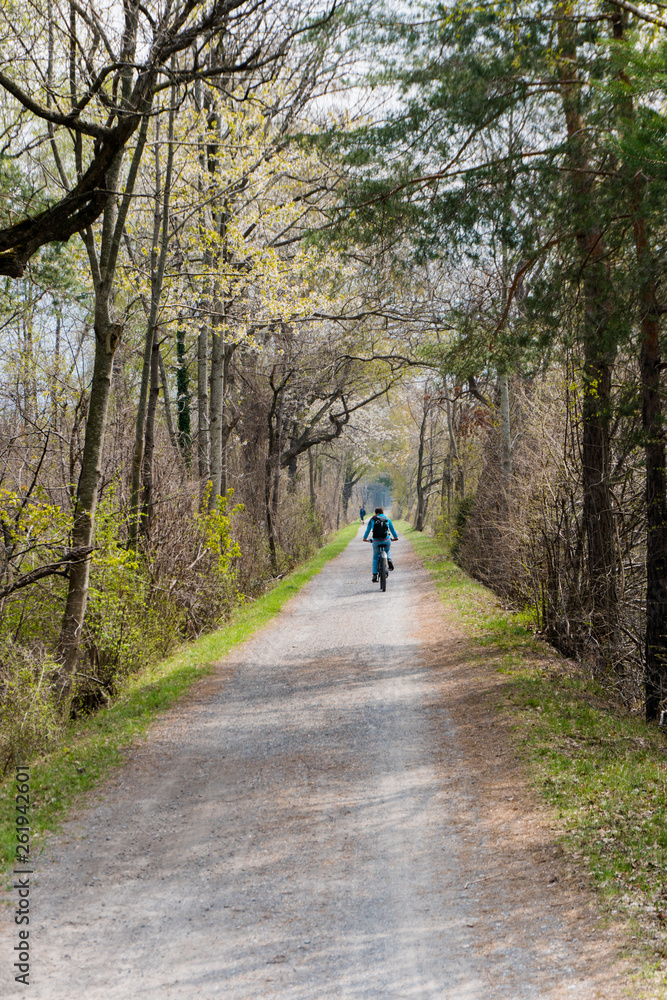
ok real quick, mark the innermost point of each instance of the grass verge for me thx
(603, 770)
(95, 744)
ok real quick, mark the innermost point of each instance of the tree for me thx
(89, 63)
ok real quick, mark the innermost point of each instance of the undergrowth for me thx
(93, 744)
(603, 770)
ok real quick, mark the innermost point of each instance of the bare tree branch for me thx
(50, 569)
(644, 15)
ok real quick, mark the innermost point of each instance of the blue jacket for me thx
(392, 530)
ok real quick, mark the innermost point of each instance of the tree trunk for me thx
(655, 668)
(183, 397)
(228, 422)
(216, 385)
(202, 404)
(268, 511)
(311, 478)
(292, 468)
(272, 472)
(277, 448)
(221, 425)
(149, 443)
(348, 483)
(420, 513)
(597, 513)
(444, 489)
(449, 485)
(453, 450)
(656, 510)
(505, 430)
(339, 472)
(655, 677)
(345, 499)
(599, 349)
(167, 402)
(158, 265)
(139, 434)
(107, 336)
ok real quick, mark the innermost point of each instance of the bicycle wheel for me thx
(382, 567)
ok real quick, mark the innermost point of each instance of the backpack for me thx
(380, 529)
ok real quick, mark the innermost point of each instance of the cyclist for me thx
(382, 528)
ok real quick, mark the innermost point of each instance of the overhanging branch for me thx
(50, 569)
(643, 15)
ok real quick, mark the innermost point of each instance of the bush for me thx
(464, 508)
(299, 530)
(29, 719)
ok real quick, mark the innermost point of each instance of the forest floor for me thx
(332, 813)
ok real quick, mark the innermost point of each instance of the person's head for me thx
(379, 510)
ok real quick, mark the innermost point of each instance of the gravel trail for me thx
(306, 825)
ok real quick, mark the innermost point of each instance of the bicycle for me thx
(383, 565)
(383, 568)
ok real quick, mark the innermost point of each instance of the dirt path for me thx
(312, 822)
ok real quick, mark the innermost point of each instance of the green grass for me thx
(602, 770)
(95, 744)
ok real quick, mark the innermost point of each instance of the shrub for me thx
(464, 508)
(29, 719)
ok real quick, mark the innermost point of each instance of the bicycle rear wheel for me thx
(382, 567)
